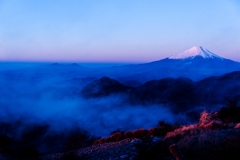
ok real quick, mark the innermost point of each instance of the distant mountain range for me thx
(195, 63)
(181, 94)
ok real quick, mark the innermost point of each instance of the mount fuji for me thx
(195, 63)
(196, 51)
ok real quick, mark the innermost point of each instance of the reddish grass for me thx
(160, 130)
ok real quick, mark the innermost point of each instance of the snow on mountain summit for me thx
(195, 51)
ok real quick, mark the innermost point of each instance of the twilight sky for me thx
(116, 30)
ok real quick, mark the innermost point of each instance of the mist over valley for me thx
(52, 102)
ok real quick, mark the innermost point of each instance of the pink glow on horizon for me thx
(122, 55)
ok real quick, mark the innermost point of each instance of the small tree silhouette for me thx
(230, 112)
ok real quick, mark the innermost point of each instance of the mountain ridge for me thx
(200, 64)
(195, 51)
(179, 93)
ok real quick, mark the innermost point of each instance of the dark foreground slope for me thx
(215, 136)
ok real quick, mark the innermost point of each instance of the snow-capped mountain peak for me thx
(195, 51)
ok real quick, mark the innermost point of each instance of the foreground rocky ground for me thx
(124, 149)
(193, 144)
(215, 137)
(188, 142)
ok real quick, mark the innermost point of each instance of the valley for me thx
(73, 106)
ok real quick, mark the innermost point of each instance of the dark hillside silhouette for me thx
(104, 87)
(180, 94)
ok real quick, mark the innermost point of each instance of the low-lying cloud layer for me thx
(52, 95)
(98, 116)
(43, 110)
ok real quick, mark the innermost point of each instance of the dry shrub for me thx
(118, 135)
(158, 131)
(237, 126)
(213, 121)
(115, 137)
(152, 132)
(96, 142)
(128, 134)
(217, 124)
(100, 141)
(205, 118)
(140, 133)
(184, 130)
(178, 134)
(214, 124)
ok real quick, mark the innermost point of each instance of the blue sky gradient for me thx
(116, 30)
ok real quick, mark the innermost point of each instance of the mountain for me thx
(195, 63)
(104, 87)
(196, 51)
(180, 94)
